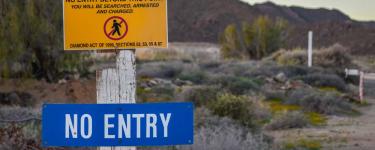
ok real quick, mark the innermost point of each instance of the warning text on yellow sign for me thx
(115, 24)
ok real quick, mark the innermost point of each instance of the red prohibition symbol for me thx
(116, 23)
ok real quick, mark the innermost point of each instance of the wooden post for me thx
(118, 85)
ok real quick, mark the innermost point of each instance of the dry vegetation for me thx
(334, 57)
(255, 95)
(236, 100)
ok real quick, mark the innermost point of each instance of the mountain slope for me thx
(204, 20)
(301, 15)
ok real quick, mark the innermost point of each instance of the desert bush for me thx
(272, 70)
(236, 85)
(222, 133)
(168, 69)
(202, 96)
(158, 93)
(324, 80)
(237, 68)
(210, 65)
(319, 101)
(226, 138)
(288, 120)
(294, 57)
(195, 75)
(204, 117)
(335, 57)
(273, 94)
(239, 108)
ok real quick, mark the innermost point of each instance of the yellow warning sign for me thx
(115, 24)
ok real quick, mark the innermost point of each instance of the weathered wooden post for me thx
(118, 85)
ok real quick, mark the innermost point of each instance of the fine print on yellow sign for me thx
(115, 24)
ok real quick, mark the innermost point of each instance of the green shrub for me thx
(202, 96)
(236, 85)
(236, 68)
(288, 120)
(159, 93)
(237, 107)
(324, 80)
(196, 76)
(272, 70)
(320, 101)
(273, 95)
(167, 69)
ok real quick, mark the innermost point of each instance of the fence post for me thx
(310, 49)
(118, 84)
(361, 86)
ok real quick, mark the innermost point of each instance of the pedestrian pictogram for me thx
(115, 28)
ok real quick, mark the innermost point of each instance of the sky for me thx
(363, 10)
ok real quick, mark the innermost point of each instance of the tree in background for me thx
(31, 40)
(230, 42)
(260, 38)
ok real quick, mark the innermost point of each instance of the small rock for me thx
(270, 80)
(281, 77)
(76, 76)
(152, 82)
(62, 81)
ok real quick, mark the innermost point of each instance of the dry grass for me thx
(335, 56)
(201, 52)
(213, 132)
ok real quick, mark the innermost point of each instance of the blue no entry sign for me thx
(117, 124)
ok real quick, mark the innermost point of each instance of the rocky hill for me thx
(204, 20)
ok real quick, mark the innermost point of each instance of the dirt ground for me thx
(344, 133)
(73, 91)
